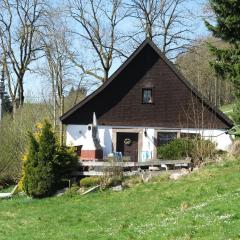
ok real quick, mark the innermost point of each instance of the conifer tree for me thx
(45, 163)
(7, 104)
(227, 27)
(39, 180)
(30, 162)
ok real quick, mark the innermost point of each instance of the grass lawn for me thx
(202, 205)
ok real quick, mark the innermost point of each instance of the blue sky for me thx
(36, 83)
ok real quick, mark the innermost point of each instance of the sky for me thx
(35, 83)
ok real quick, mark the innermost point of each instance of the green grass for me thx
(202, 205)
(7, 189)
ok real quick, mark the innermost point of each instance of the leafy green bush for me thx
(90, 181)
(45, 163)
(179, 148)
(176, 149)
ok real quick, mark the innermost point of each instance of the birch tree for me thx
(55, 42)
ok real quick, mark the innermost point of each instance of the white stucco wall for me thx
(219, 136)
(76, 135)
(148, 144)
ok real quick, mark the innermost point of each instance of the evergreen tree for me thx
(39, 178)
(227, 27)
(7, 104)
(29, 166)
(45, 163)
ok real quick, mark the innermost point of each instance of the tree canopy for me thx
(227, 61)
(226, 27)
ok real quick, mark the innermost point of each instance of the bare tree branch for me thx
(20, 23)
(163, 21)
(99, 21)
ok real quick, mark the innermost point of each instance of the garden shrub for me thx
(112, 175)
(179, 148)
(203, 149)
(90, 181)
(176, 149)
(45, 163)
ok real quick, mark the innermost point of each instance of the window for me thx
(165, 137)
(147, 95)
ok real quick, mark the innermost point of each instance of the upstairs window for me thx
(147, 96)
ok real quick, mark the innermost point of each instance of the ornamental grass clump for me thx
(45, 163)
(90, 181)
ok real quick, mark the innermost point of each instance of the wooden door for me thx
(127, 143)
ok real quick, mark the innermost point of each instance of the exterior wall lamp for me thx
(145, 132)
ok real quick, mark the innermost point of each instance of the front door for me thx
(127, 144)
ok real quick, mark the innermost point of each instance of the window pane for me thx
(165, 137)
(147, 95)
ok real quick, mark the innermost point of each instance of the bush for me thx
(176, 149)
(45, 163)
(203, 149)
(90, 181)
(113, 175)
(179, 148)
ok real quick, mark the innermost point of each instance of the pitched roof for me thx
(149, 42)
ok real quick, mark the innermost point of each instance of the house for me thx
(146, 103)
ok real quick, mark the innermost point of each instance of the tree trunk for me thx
(15, 106)
(105, 77)
(61, 125)
(54, 113)
(21, 93)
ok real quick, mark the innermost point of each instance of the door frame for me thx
(128, 130)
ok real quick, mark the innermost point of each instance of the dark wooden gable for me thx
(176, 104)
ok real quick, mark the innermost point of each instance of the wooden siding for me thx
(174, 104)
